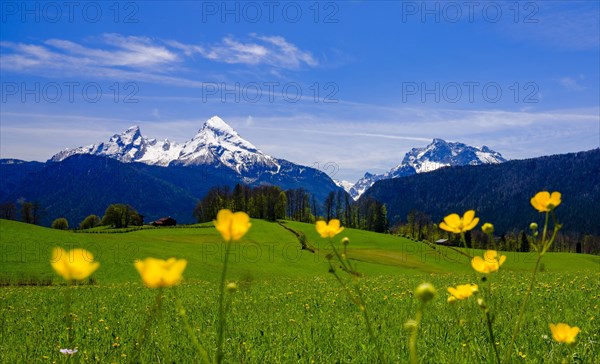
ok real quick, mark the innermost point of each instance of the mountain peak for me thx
(215, 132)
(439, 153)
(217, 123)
(219, 143)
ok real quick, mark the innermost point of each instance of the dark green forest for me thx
(501, 193)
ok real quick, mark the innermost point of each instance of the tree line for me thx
(419, 226)
(272, 203)
(116, 215)
(29, 212)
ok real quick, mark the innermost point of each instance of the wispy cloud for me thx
(120, 51)
(146, 59)
(571, 83)
(273, 51)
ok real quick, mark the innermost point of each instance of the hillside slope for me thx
(267, 252)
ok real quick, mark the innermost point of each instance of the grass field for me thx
(288, 307)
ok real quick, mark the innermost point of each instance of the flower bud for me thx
(231, 287)
(410, 325)
(488, 228)
(345, 241)
(425, 292)
(533, 226)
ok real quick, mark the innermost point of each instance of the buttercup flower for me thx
(544, 201)
(487, 228)
(462, 291)
(232, 226)
(489, 263)
(329, 230)
(77, 264)
(455, 224)
(564, 333)
(157, 273)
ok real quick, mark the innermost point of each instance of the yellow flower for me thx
(329, 230)
(455, 224)
(564, 333)
(487, 228)
(489, 263)
(159, 272)
(544, 201)
(232, 226)
(462, 291)
(77, 264)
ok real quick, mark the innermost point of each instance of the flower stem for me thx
(488, 317)
(222, 318)
(155, 311)
(522, 310)
(363, 309)
(467, 250)
(412, 341)
(492, 340)
(203, 353)
(356, 297)
(68, 316)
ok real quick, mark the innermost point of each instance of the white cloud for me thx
(571, 83)
(144, 59)
(273, 51)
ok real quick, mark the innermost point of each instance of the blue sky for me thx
(351, 84)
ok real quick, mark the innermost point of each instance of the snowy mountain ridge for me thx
(439, 153)
(216, 143)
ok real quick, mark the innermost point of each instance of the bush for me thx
(61, 224)
(90, 222)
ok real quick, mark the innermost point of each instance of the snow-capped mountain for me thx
(215, 144)
(218, 149)
(219, 143)
(346, 185)
(436, 155)
(129, 146)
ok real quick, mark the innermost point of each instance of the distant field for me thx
(288, 308)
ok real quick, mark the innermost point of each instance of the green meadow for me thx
(288, 308)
